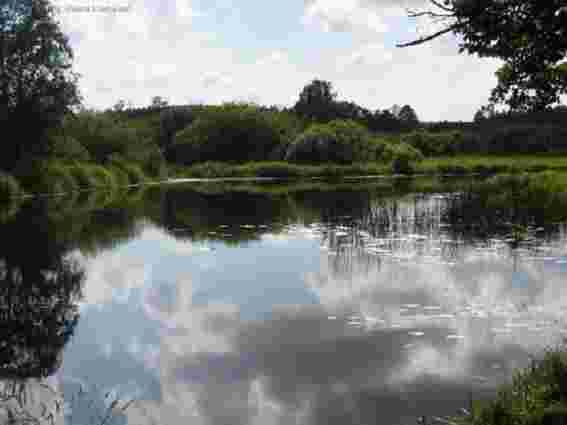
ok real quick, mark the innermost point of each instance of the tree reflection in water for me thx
(40, 287)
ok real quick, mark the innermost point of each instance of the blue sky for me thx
(215, 51)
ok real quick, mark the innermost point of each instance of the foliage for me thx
(338, 141)
(45, 177)
(84, 175)
(105, 135)
(403, 158)
(232, 132)
(101, 135)
(9, 187)
(408, 117)
(172, 120)
(134, 173)
(317, 101)
(537, 395)
(159, 102)
(69, 148)
(103, 178)
(435, 144)
(37, 86)
(528, 35)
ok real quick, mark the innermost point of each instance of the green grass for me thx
(460, 165)
(65, 177)
(278, 170)
(492, 164)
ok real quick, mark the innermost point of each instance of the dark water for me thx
(270, 304)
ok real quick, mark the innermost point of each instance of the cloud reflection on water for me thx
(410, 320)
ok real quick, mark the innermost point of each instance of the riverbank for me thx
(57, 177)
(52, 178)
(460, 165)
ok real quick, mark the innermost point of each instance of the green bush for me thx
(155, 164)
(104, 135)
(103, 178)
(45, 177)
(9, 187)
(432, 144)
(134, 172)
(228, 133)
(402, 157)
(83, 175)
(172, 120)
(120, 176)
(67, 148)
(341, 141)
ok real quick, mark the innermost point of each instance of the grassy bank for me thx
(461, 165)
(56, 177)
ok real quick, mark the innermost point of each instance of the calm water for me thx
(223, 304)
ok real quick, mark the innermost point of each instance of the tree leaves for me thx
(529, 35)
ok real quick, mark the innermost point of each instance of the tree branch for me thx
(413, 14)
(430, 37)
(442, 7)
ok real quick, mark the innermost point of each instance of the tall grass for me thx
(9, 187)
(59, 177)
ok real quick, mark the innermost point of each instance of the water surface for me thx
(376, 302)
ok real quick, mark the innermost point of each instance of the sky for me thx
(214, 51)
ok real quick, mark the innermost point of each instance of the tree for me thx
(317, 101)
(530, 36)
(37, 86)
(408, 117)
(171, 121)
(119, 106)
(485, 112)
(159, 102)
(395, 110)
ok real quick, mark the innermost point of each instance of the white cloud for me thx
(275, 58)
(343, 15)
(217, 79)
(156, 50)
(373, 55)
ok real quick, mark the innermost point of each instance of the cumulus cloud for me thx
(156, 48)
(341, 16)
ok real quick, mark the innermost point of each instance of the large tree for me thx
(317, 101)
(37, 85)
(530, 36)
(408, 117)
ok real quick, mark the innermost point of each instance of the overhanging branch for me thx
(430, 37)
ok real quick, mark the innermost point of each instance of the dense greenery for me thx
(73, 149)
(529, 35)
(338, 141)
(234, 132)
(37, 87)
